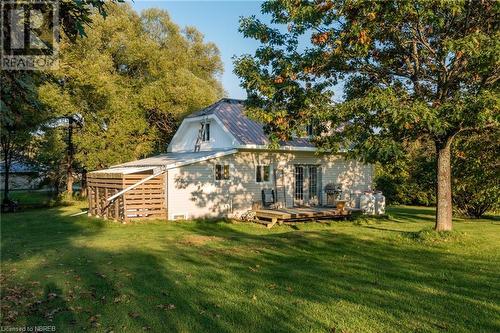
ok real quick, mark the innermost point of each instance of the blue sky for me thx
(218, 21)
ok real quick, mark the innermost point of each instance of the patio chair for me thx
(268, 197)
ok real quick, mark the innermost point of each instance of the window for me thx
(221, 172)
(310, 130)
(299, 183)
(263, 173)
(206, 132)
(313, 182)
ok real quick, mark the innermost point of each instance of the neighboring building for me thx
(217, 164)
(22, 176)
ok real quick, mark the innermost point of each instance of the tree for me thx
(475, 174)
(410, 179)
(112, 130)
(129, 81)
(180, 73)
(20, 108)
(51, 148)
(19, 117)
(412, 70)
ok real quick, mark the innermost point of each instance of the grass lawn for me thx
(30, 197)
(80, 274)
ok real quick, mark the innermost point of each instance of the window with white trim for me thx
(262, 173)
(206, 132)
(221, 171)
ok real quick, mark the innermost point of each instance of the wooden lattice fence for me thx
(146, 201)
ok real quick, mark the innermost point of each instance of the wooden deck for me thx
(297, 214)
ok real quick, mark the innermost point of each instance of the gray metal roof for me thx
(125, 170)
(18, 167)
(231, 112)
(171, 160)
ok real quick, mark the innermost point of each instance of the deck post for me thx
(97, 201)
(91, 199)
(117, 207)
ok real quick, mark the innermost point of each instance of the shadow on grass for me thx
(239, 281)
(405, 214)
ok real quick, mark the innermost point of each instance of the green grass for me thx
(30, 197)
(379, 275)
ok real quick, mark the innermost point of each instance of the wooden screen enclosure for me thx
(145, 201)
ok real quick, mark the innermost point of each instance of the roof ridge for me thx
(210, 108)
(228, 99)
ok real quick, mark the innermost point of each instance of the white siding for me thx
(193, 191)
(185, 138)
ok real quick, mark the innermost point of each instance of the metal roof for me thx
(164, 161)
(125, 170)
(172, 160)
(231, 112)
(19, 167)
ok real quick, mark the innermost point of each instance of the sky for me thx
(218, 21)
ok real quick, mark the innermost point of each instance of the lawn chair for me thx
(268, 198)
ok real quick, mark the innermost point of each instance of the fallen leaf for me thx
(133, 314)
(166, 306)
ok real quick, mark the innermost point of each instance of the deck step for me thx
(268, 224)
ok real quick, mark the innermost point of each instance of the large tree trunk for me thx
(443, 186)
(7, 155)
(69, 162)
(69, 181)
(6, 181)
(84, 190)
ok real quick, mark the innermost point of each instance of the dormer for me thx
(202, 133)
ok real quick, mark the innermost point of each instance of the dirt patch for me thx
(197, 240)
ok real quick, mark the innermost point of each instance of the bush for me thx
(410, 180)
(476, 175)
(430, 235)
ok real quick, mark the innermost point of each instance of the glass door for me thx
(313, 184)
(307, 186)
(299, 186)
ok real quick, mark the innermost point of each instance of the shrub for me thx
(409, 180)
(430, 235)
(476, 174)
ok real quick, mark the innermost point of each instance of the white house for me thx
(217, 164)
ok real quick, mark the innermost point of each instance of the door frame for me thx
(304, 197)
